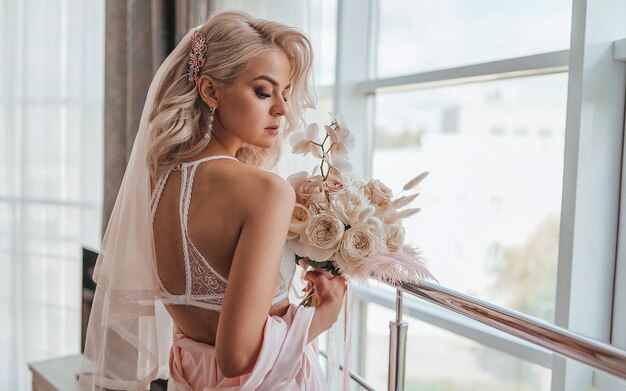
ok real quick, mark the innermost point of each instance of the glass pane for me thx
(491, 206)
(415, 36)
(322, 30)
(376, 349)
(439, 360)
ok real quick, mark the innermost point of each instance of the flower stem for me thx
(324, 176)
(394, 196)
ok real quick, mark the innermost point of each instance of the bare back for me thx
(220, 198)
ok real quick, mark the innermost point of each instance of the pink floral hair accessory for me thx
(196, 56)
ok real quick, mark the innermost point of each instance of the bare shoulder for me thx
(267, 189)
(248, 186)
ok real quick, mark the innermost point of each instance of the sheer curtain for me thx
(51, 98)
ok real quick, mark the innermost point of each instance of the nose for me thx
(279, 108)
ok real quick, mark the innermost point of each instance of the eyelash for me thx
(261, 94)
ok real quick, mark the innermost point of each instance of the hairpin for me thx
(196, 56)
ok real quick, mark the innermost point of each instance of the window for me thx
(415, 37)
(493, 100)
(478, 160)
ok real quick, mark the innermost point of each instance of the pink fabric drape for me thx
(286, 361)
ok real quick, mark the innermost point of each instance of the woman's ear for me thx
(208, 89)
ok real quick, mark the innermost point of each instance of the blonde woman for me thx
(195, 248)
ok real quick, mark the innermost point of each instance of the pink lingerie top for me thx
(204, 286)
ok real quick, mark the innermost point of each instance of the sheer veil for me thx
(129, 332)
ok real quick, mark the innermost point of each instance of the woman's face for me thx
(253, 107)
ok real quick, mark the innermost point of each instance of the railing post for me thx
(397, 347)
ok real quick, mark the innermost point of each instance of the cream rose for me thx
(377, 192)
(358, 243)
(394, 237)
(323, 236)
(318, 202)
(299, 220)
(351, 207)
(307, 189)
(333, 185)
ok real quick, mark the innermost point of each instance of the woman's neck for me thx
(223, 142)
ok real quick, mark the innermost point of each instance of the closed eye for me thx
(262, 94)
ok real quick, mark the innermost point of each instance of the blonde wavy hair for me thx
(179, 117)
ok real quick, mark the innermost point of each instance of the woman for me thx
(199, 226)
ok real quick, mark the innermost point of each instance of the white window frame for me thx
(591, 281)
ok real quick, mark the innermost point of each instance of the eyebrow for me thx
(269, 79)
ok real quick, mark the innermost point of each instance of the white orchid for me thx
(343, 140)
(307, 141)
(336, 156)
(339, 163)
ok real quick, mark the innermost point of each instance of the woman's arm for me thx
(268, 203)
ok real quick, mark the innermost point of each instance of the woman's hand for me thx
(329, 292)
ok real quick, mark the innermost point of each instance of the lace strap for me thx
(185, 196)
(189, 171)
(208, 158)
(156, 196)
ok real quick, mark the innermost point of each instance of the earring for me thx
(207, 135)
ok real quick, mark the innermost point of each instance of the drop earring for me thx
(207, 135)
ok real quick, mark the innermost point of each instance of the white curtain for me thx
(51, 98)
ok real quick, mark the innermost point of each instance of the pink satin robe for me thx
(286, 361)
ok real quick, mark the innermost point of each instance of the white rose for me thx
(318, 202)
(350, 206)
(299, 220)
(394, 237)
(377, 192)
(323, 236)
(358, 243)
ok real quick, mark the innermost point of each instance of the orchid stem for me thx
(324, 176)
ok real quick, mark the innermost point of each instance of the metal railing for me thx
(558, 340)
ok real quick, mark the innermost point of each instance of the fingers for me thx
(327, 274)
(316, 276)
(328, 290)
(321, 272)
(304, 262)
(312, 275)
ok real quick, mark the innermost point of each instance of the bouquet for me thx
(344, 224)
